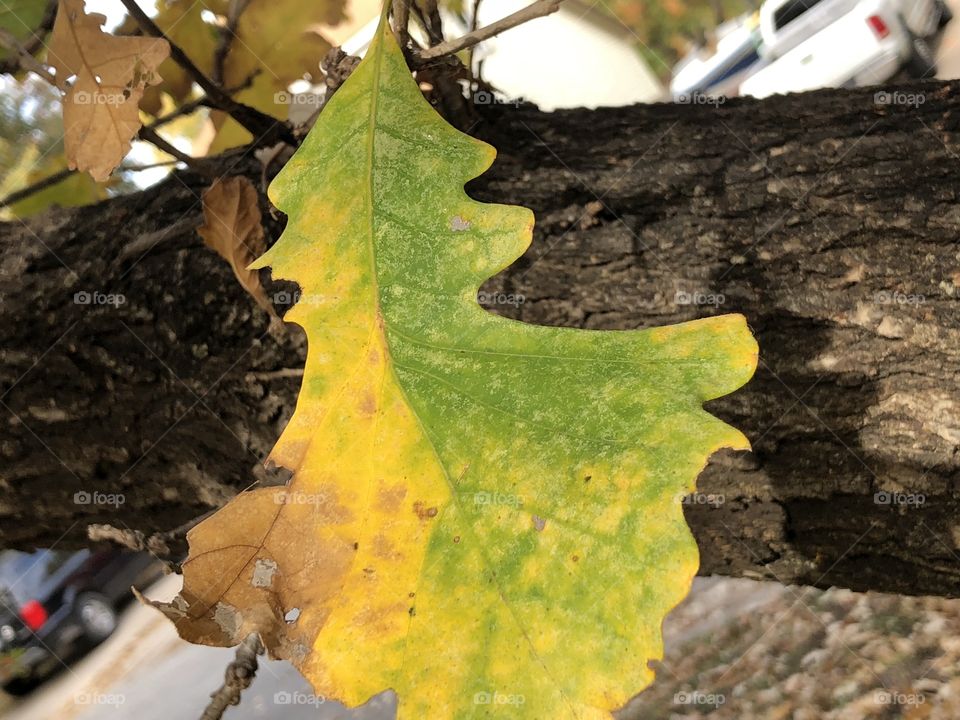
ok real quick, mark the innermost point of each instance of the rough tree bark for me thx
(829, 220)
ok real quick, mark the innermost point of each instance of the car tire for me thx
(946, 14)
(18, 687)
(96, 615)
(922, 63)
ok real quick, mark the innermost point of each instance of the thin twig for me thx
(152, 136)
(237, 678)
(185, 109)
(26, 60)
(538, 9)
(158, 544)
(434, 23)
(280, 374)
(33, 43)
(36, 187)
(148, 166)
(259, 124)
(401, 21)
(227, 33)
(473, 28)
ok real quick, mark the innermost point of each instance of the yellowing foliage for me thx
(484, 515)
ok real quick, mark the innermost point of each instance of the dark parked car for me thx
(55, 605)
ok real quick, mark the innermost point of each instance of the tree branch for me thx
(827, 219)
(538, 9)
(237, 678)
(26, 60)
(10, 65)
(264, 128)
(227, 34)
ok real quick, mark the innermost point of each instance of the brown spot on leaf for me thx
(368, 405)
(424, 513)
(456, 539)
(383, 548)
(389, 499)
(539, 523)
(575, 558)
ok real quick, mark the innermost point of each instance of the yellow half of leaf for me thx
(100, 109)
(485, 515)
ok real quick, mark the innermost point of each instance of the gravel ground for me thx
(805, 654)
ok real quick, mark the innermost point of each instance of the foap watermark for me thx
(485, 97)
(91, 698)
(886, 697)
(698, 498)
(95, 297)
(498, 698)
(298, 698)
(698, 98)
(312, 100)
(85, 497)
(895, 297)
(285, 297)
(899, 498)
(84, 97)
(898, 97)
(497, 498)
(697, 697)
(500, 298)
(285, 497)
(682, 297)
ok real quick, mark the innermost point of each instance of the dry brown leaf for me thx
(100, 109)
(232, 226)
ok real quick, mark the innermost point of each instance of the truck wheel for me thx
(18, 687)
(946, 14)
(921, 63)
(96, 616)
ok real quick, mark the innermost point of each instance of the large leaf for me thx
(485, 515)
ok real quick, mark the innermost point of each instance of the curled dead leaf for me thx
(232, 226)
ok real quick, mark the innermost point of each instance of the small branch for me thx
(148, 166)
(152, 136)
(158, 544)
(25, 59)
(185, 109)
(538, 9)
(34, 42)
(473, 28)
(401, 21)
(258, 124)
(38, 186)
(432, 21)
(274, 374)
(227, 33)
(237, 678)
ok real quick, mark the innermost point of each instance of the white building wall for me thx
(564, 60)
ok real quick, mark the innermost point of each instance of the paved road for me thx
(145, 671)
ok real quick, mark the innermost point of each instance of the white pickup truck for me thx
(843, 43)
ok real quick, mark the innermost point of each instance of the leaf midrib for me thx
(380, 39)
